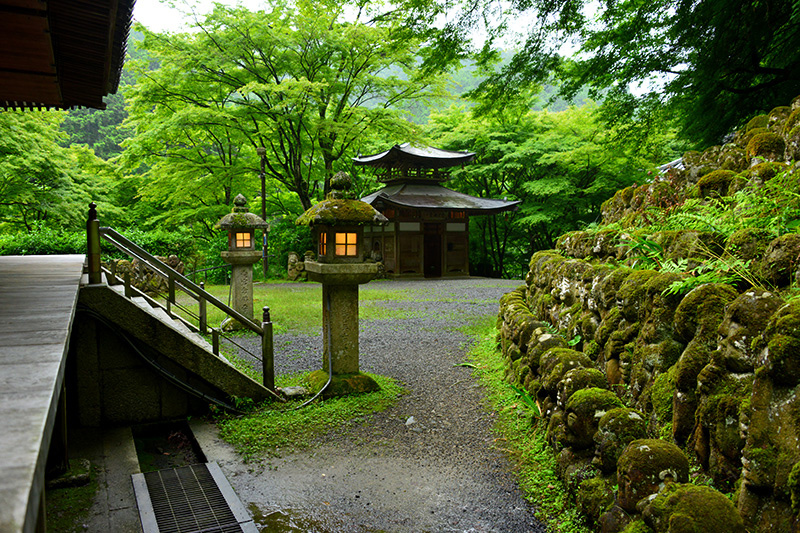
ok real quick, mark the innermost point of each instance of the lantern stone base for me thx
(341, 384)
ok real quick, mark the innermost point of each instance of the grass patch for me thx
(274, 427)
(68, 508)
(523, 437)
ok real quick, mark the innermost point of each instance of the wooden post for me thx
(93, 245)
(267, 351)
(201, 310)
(215, 341)
(170, 292)
(127, 280)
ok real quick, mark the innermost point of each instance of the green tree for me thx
(41, 182)
(710, 63)
(298, 80)
(562, 166)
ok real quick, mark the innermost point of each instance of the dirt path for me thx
(443, 472)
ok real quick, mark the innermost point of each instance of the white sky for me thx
(168, 16)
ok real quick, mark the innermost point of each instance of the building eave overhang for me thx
(408, 155)
(434, 196)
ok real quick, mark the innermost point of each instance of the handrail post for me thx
(93, 245)
(201, 310)
(215, 341)
(170, 292)
(267, 351)
(126, 276)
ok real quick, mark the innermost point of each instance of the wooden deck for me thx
(37, 304)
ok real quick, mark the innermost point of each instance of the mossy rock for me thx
(748, 244)
(540, 343)
(781, 260)
(733, 158)
(758, 121)
(575, 244)
(608, 326)
(661, 393)
(556, 362)
(744, 137)
(777, 118)
(594, 497)
(745, 319)
(577, 379)
(341, 384)
(633, 294)
(637, 526)
(779, 345)
(584, 410)
(696, 356)
(792, 121)
(690, 508)
(617, 428)
(768, 145)
(644, 466)
(794, 487)
(702, 310)
(715, 184)
(606, 290)
(694, 245)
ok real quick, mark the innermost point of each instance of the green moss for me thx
(633, 293)
(748, 244)
(650, 457)
(661, 397)
(767, 144)
(556, 362)
(691, 362)
(758, 121)
(715, 182)
(589, 401)
(608, 326)
(68, 507)
(792, 121)
(693, 509)
(637, 526)
(794, 487)
(335, 212)
(702, 310)
(594, 497)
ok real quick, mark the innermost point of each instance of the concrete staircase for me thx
(136, 363)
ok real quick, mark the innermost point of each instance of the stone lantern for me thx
(338, 224)
(241, 254)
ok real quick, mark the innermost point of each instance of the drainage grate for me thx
(190, 499)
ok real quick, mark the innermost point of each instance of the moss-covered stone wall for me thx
(705, 384)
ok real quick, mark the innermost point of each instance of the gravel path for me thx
(441, 473)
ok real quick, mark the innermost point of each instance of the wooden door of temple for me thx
(432, 250)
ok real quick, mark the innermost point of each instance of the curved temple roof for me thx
(434, 196)
(406, 155)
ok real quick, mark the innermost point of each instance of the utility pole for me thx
(262, 153)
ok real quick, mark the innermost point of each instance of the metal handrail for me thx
(188, 286)
(174, 279)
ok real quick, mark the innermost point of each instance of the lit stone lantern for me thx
(241, 254)
(338, 224)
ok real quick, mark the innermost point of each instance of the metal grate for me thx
(189, 499)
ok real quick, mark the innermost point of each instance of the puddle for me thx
(292, 521)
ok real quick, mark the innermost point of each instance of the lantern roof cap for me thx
(239, 218)
(338, 209)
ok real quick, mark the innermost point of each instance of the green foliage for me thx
(297, 80)
(684, 59)
(273, 428)
(525, 441)
(562, 166)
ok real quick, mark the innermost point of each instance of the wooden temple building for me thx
(428, 230)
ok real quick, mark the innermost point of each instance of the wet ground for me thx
(441, 470)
